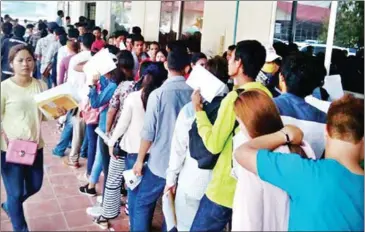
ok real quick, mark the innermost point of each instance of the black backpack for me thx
(198, 151)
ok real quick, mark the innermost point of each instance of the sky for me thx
(31, 10)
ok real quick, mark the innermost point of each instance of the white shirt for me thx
(259, 205)
(182, 167)
(78, 79)
(130, 124)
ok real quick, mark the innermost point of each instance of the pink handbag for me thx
(89, 114)
(21, 152)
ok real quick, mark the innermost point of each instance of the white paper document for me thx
(102, 135)
(102, 63)
(64, 89)
(209, 85)
(168, 209)
(319, 104)
(131, 180)
(333, 85)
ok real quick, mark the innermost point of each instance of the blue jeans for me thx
(20, 182)
(132, 194)
(92, 139)
(66, 137)
(98, 165)
(85, 146)
(149, 191)
(38, 69)
(211, 216)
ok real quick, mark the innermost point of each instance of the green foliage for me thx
(349, 31)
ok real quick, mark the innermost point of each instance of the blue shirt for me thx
(163, 107)
(98, 100)
(296, 107)
(324, 195)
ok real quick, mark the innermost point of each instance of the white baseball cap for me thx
(271, 54)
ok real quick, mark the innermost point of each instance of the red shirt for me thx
(98, 45)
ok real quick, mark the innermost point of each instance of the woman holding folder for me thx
(21, 140)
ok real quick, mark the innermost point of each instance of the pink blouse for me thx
(62, 77)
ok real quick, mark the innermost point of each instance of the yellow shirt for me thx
(222, 187)
(20, 116)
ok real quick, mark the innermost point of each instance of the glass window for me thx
(348, 45)
(192, 23)
(169, 21)
(121, 15)
(311, 19)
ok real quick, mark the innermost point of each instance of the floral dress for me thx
(117, 101)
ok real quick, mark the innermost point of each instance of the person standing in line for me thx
(138, 54)
(21, 120)
(59, 19)
(245, 63)
(129, 126)
(99, 43)
(68, 21)
(77, 78)
(330, 191)
(164, 105)
(64, 51)
(7, 44)
(183, 175)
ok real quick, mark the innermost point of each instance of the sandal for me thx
(101, 222)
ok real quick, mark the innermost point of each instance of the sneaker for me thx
(85, 190)
(75, 165)
(94, 211)
(102, 222)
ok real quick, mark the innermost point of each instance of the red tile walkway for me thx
(59, 206)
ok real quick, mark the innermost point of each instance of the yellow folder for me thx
(63, 100)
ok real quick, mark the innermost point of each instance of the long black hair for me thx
(124, 61)
(155, 75)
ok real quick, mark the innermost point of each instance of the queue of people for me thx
(257, 157)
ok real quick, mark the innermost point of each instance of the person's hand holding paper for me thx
(101, 63)
(209, 85)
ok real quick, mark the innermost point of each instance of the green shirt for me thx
(222, 187)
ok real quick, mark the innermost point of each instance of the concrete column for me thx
(103, 15)
(218, 26)
(77, 9)
(256, 20)
(146, 15)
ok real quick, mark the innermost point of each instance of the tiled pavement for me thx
(59, 206)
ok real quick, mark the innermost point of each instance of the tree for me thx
(349, 30)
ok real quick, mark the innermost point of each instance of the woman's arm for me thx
(98, 100)
(112, 112)
(61, 73)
